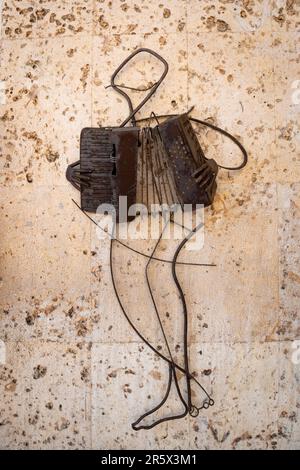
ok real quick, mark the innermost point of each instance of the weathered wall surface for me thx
(75, 374)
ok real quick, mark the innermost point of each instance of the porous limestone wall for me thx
(73, 373)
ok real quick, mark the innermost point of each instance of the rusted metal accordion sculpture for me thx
(163, 164)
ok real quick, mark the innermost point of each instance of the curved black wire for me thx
(192, 409)
(172, 373)
(207, 402)
(172, 370)
(132, 112)
(137, 251)
(216, 128)
(162, 356)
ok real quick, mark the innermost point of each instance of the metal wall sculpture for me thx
(162, 164)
